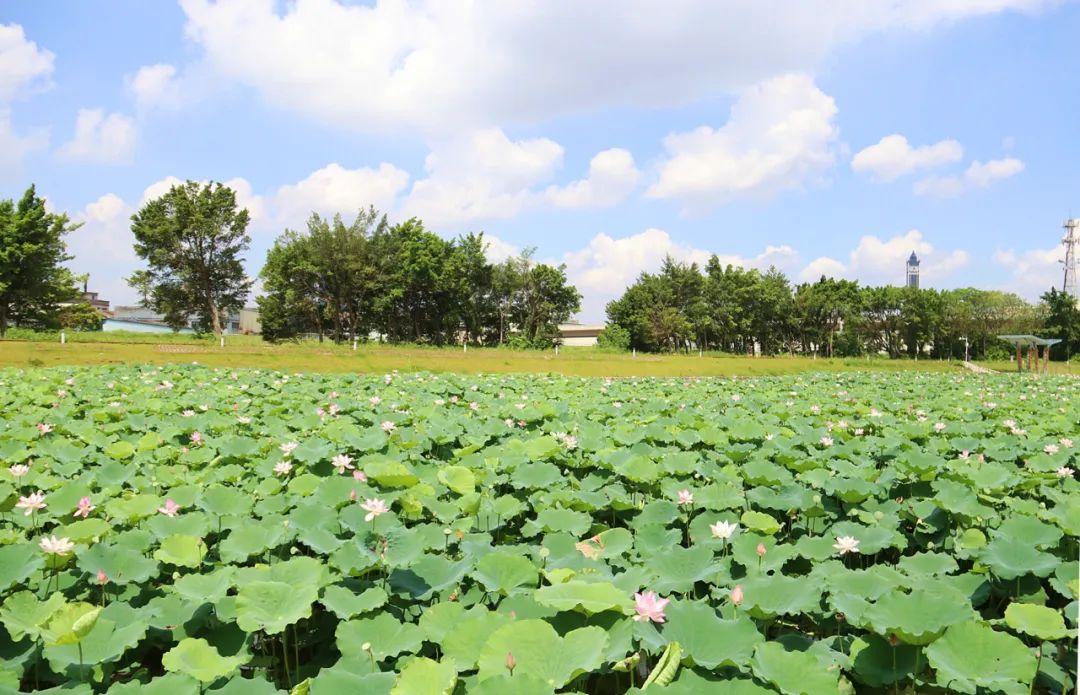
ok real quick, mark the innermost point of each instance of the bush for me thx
(614, 338)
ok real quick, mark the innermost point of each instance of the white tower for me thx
(1070, 241)
(913, 271)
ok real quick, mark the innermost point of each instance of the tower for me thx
(913, 271)
(1070, 241)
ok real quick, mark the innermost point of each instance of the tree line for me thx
(732, 309)
(404, 283)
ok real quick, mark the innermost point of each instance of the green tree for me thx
(289, 305)
(1063, 322)
(192, 238)
(33, 283)
(80, 316)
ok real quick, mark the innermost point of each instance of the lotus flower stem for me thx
(285, 656)
(296, 651)
(82, 675)
(1038, 663)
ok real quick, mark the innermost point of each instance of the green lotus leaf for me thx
(574, 523)
(590, 597)
(134, 508)
(678, 569)
(518, 684)
(389, 473)
(539, 651)
(23, 614)
(429, 574)
(1010, 558)
(238, 685)
(458, 478)
(169, 684)
(793, 673)
(759, 521)
(120, 450)
(503, 572)
(1037, 621)
(196, 658)
(118, 629)
(877, 663)
(708, 640)
(346, 604)
(70, 624)
(272, 606)
(465, 641)
(122, 565)
(251, 539)
(18, 563)
(85, 530)
(423, 676)
(205, 588)
(1026, 529)
(387, 636)
(181, 550)
(970, 656)
(918, 617)
(768, 596)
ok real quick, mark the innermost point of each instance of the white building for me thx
(579, 335)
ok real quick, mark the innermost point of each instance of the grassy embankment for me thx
(250, 351)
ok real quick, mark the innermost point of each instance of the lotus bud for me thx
(510, 662)
(761, 550)
(737, 595)
(102, 577)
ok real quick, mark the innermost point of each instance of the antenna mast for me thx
(1070, 241)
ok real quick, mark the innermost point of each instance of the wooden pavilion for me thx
(1031, 343)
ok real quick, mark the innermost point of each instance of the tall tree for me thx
(33, 282)
(193, 238)
(1062, 321)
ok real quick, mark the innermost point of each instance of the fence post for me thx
(63, 338)
(222, 343)
(556, 350)
(354, 343)
(464, 346)
(635, 353)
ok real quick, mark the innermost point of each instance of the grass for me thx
(247, 351)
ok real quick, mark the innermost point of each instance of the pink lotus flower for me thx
(288, 447)
(19, 470)
(32, 502)
(649, 607)
(388, 426)
(686, 497)
(44, 428)
(188, 413)
(964, 455)
(761, 550)
(826, 441)
(84, 508)
(196, 438)
(56, 546)
(1065, 472)
(846, 544)
(723, 530)
(1051, 448)
(939, 426)
(171, 508)
(243, 420)
(102, 578)
(474, 406)
(342, 463)
(1066, 442)
(282, 468)
(359, 475)
(737, 595)
(374, 508)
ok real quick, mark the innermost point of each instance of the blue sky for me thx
(823, 136)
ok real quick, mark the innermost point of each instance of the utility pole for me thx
(1070, 242)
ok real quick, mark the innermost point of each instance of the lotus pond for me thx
(189, 530)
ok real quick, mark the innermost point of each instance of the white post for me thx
(222, 341)
(635, 353)
(63, 338)
(556, 350)
(464, 346)
(354, 343)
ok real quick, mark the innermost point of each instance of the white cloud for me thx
(893, 157)
(498, 250)
(335, 189)
(612, 177)
(1032, 272)
(779, 136)
(14, 146)
(100, 137)
(448, 65)
(607, 265)
(155, 86)
(481, 176)
(103, 247)
(978, 175)
(23, 66)
(876, 261)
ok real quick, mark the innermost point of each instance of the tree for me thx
(1062, 321)
(33, 283)
(80, 316)
(192, 238)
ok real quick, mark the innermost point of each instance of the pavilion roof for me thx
(1029, 340)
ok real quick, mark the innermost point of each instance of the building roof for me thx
(579, 330)
(913, 259)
